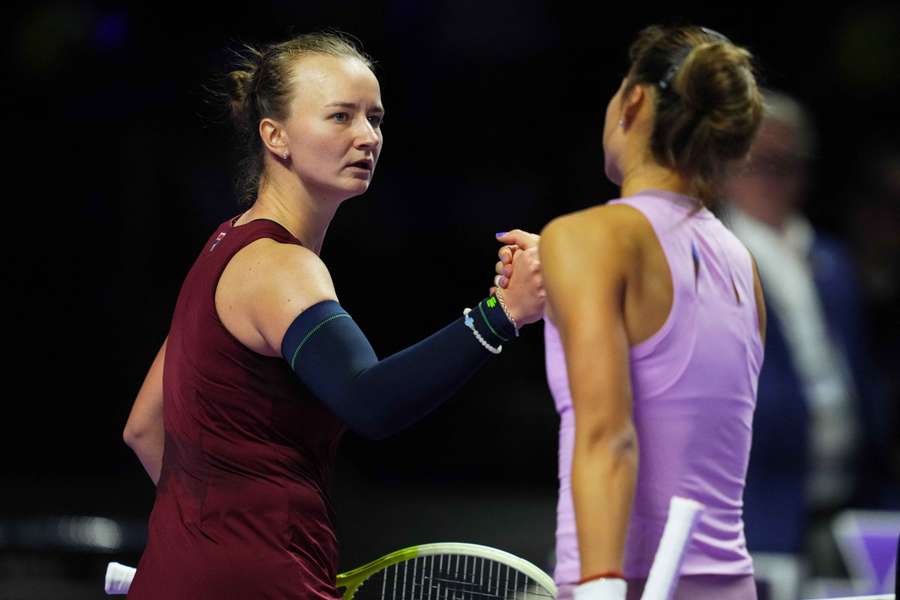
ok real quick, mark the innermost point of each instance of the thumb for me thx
(522, 239)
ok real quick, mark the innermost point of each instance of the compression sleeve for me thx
(331, 355)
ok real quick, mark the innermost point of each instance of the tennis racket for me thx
(429, 571)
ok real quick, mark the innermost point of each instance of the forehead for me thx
(321, 79)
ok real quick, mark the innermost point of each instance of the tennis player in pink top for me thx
(654, 329)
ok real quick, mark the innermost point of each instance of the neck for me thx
(284, 199)
(649, 175)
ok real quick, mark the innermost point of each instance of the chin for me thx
(352, 191)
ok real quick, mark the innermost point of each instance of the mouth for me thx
(367, 164)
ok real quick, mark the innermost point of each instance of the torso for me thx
(694, 362)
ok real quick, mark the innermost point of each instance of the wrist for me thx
(604, 575)
(493, 323)
(601, 588)
(507, 311)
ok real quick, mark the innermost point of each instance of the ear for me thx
(632, 103)
(273, 136)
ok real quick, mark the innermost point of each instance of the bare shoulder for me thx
(268, 266)
(596, 230)
(265, 286)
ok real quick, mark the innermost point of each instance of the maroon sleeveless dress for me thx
(242, 509)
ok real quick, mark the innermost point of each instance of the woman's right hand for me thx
(519, 279)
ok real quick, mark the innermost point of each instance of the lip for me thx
(365, 164)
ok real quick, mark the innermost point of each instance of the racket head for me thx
(447, 570)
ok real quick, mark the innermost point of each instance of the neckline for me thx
(231, 224)
(683, 201)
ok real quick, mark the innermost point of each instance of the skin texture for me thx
(310, 168)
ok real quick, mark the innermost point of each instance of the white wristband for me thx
(602, 589)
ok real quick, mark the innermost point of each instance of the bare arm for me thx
(584, 259)
(144, 431)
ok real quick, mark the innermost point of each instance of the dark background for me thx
(117, 169)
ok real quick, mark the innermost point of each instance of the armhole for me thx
(253, 238)
(757, 308)
(646, 346)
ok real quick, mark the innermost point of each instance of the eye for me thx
(376, 120)
(341, 117)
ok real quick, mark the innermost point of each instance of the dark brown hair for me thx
(708, 105)
(260, 86)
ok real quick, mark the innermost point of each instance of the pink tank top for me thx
(694, 384)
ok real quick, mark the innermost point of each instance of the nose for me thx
(367, 136)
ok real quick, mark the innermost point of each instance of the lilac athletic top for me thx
(694, 390)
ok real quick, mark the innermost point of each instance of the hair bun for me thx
(240, 86)
(716, 82)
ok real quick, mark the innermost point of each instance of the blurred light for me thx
(92, 532)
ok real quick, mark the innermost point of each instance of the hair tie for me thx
(682, 55)
(676, 65)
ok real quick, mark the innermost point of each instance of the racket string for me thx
(451, 577)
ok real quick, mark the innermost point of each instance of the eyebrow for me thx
(353, 106)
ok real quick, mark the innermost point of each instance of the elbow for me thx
(133, 434)
(129, 436)
(617, 442)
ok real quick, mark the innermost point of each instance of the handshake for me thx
(518, 281)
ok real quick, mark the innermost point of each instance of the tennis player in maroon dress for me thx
(240, 414)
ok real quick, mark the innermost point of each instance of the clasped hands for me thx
(519, 277)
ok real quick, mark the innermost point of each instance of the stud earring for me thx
(284, 155)
(622, 123)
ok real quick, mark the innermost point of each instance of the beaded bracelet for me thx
(470, 323)
(506, 311)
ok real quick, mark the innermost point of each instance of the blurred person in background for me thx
(817, 410)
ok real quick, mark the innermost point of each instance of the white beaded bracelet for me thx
(470, 323)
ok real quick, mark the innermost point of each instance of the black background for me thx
(117, 169)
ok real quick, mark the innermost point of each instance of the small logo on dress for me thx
(218, 239)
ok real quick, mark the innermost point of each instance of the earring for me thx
(622, 123)
(284, 155)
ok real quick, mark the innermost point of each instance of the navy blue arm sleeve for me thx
(331, 355)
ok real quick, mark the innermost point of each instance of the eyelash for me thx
(375, 120)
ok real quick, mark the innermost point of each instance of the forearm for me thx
(378, 398)
(604, 476)
(403, 388)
